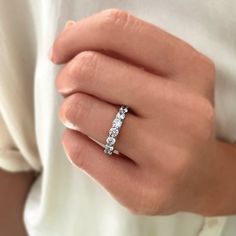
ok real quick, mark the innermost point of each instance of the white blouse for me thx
(64, 201)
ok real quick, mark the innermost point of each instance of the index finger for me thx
(119, 32)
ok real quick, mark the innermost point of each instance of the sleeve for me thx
(10, 157)
(18, 146)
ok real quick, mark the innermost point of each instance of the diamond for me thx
(110, 141)
(120, 115)
(116, 123)
(113, 132)
(108, 149)
(124, 109)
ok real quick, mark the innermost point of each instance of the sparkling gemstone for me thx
(111, 141)
(117, 123)
(124, 108)
(108, 149)
(113, 132)
(120, 115)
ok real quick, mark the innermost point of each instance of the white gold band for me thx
(114, 130)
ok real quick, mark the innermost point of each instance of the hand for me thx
(167, 143)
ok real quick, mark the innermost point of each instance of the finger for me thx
(109, 79)
(119, 32)
(119, 176)
(94, 118)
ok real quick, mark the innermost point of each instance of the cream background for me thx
(65, 201)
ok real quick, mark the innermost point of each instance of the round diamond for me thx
(117, 123)
(124, 108)
(108, 149)
(120, 115)
(111, 141)
(113, 132)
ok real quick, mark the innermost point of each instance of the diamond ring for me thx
(114, 130)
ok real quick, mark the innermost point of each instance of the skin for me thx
(14, 189)
(170, 159)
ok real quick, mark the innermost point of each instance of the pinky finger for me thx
(118, 175)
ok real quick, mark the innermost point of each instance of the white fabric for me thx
(65, 201)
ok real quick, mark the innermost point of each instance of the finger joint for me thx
(84, 66)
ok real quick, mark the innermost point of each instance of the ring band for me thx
(114, 130)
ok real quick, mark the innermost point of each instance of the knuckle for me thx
(75, 108)
(116, 18)
(83, 66)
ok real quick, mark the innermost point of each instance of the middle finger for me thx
(110, 79)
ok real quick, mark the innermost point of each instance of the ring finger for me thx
(93, 117)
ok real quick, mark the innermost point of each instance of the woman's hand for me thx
(167, 161)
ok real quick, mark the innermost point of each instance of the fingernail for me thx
(69, 24)
(70, 125)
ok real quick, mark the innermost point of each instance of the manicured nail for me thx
(69, 125)
(69, 24)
